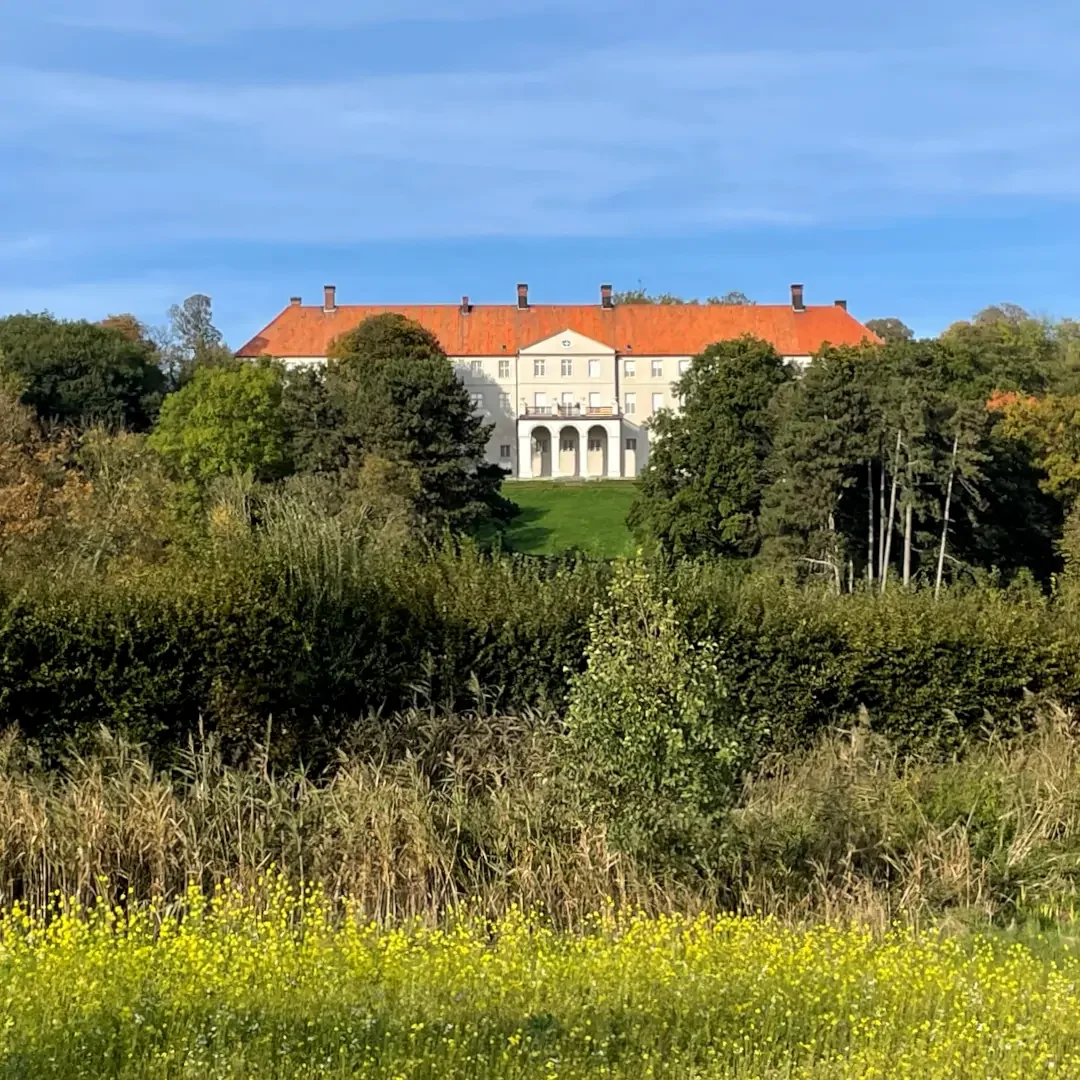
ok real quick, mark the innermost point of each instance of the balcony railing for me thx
(570, 410)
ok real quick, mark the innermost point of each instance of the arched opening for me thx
(541, 452)
(596, 460)
(569, 446)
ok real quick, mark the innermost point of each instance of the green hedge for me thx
(231, 648)
(920, 668)
(235, 646)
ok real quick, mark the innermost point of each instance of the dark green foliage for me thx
(805, 661)
(814, 506)
(77, 373)
(314, 422)
(235, 641)
(402, 402)
(231, 642)
(890, 329)
(701, 491)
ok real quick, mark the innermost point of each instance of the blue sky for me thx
(919, 160)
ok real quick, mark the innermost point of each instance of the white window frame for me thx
(476, 368)
(629, 367)
(594, 369)
(630, 404)
(504, 401)
(631, 444)
(504, 368)
(658, 369)
(684, 366)
(657, 402)
(539, 367)
(567, 367)
(477, 402)
(506, 452)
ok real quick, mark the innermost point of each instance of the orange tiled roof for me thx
(642, 329)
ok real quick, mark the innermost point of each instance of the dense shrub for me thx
(311, 629)
(805, 660)
(236, 643)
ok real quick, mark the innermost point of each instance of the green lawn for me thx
(560, 514)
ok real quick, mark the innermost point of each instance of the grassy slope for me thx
(556, 515)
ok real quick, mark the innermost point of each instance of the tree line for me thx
(912, 460)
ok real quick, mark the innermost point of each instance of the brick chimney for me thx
(329, 298)
(605, 296)
(797, 298)
(842, 304)
(294, 301)
(466, 307)
(523, 296)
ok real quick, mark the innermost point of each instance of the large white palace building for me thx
(569, 388)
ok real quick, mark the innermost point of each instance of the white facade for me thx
(568, 407)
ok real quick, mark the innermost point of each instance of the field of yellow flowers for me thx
(274, 984)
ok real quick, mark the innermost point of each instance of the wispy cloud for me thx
(195, 19)
(593, 144)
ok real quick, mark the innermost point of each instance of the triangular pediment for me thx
(567, 343)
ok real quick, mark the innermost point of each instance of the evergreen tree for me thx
(400, 400)
(701, 490)
(820, 503)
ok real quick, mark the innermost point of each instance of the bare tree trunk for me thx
(892, 516)
(945, 518)
(881, 517)
(871, 554)
(907, 544)
(834, 557)
(851, 575)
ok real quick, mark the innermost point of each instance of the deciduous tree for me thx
(81, 372)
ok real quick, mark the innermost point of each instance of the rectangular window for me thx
(596, 445)
(538, 367)
(658, 369)
(567, 367)
(629, 367)
(657, 402)
(631, 404)
(631, 444)
(504, 402)
(476, 368)
(594, 399)
(504, 451)
(684, 366)
(504, 369)
(567, 444)
(477, 401)
(594, 369)
(540, 399)
(567, 397)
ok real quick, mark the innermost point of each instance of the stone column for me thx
(614, 449)
(524, 461)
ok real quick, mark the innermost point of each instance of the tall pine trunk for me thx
(881, 516)
(945, 518)
(834, 556)
(907, 544)
(871, 539)
(888, 528)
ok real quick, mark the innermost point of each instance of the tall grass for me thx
(424, 811)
